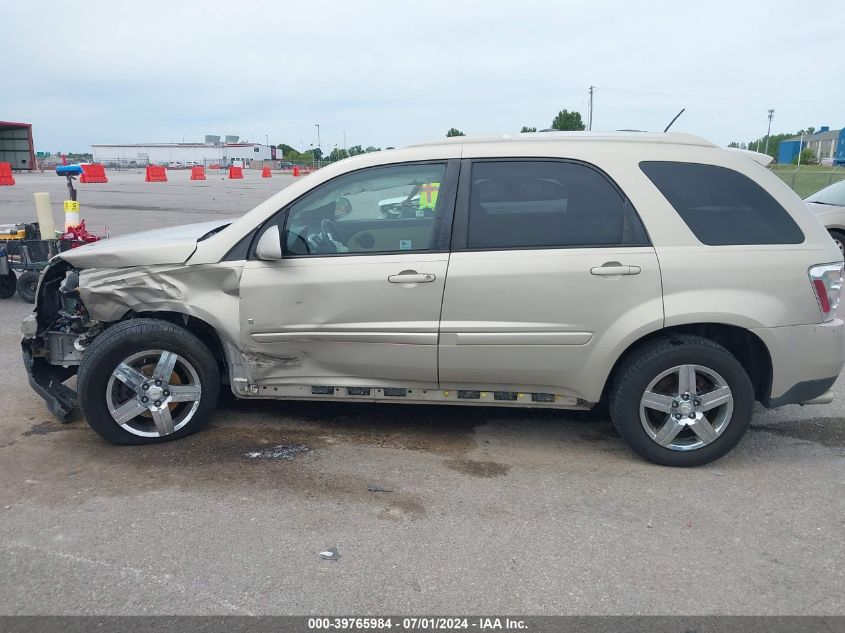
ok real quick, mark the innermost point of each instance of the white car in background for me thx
(829, 207)
(400, 206)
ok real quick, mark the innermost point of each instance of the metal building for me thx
(827, 146)
(16, 146)
(166, 153)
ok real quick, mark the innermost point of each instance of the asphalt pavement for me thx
(431, 509)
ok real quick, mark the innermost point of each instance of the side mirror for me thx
(269, 247)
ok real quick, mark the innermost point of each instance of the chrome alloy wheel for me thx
(686, 407)
(153, 393)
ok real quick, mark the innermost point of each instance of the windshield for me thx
(834, 194)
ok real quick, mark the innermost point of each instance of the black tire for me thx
(839, 238)
(648, 361)
(121, 341)
(28, 285)
(8, 286)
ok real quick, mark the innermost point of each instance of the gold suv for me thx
(673, 280)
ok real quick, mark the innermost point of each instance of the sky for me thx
(391, 73)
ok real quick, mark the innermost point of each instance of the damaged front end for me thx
(55, 336)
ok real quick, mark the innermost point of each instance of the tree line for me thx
(563, 120)
(316, 154)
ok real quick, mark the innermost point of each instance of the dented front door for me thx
(369, 320)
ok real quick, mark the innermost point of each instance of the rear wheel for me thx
(145, 381)
(8, 284)
(28, 285)
(684, 401)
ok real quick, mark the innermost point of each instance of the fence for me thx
(807, 180)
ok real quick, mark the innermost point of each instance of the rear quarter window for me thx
(721, 206)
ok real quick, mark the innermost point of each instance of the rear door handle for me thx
(614, 268)
(411, 277)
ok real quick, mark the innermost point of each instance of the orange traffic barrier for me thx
(6, 177)
(198, 173)
(296, 170)
(156, 174)
(94, 172)
(236, 172)
(265, 173)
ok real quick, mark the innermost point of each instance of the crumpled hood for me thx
(172, 245)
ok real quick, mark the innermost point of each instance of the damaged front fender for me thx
(208, 292)
(73, 307)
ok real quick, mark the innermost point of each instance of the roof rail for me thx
(634, 136)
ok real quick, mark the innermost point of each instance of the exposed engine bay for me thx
(56, 335)
(75, 305)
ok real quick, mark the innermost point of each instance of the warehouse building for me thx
(183, 153)
(828, 146)
(16, 146)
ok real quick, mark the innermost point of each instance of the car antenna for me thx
(675, 119)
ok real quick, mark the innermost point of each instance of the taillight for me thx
(827, 282)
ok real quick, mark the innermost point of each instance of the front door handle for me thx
(610, 269)
(411, 277)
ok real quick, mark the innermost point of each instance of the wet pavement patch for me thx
(477, 468)
(435, 429)
(825, 431)
(282, 451)
(43, 428)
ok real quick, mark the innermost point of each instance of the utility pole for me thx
(344, 144)
(319, 144)
(769, 132)
(590, 122)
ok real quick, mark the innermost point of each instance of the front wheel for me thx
(144, 381)
(683, 401)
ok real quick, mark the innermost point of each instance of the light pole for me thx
(769, 132)
(800, 147)
(319, 144)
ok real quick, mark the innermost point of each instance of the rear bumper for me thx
(806, 360)
(46, 380)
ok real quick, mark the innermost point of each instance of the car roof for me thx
(555, 136)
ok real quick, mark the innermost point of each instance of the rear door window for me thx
(547, 204)
(721, 206)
